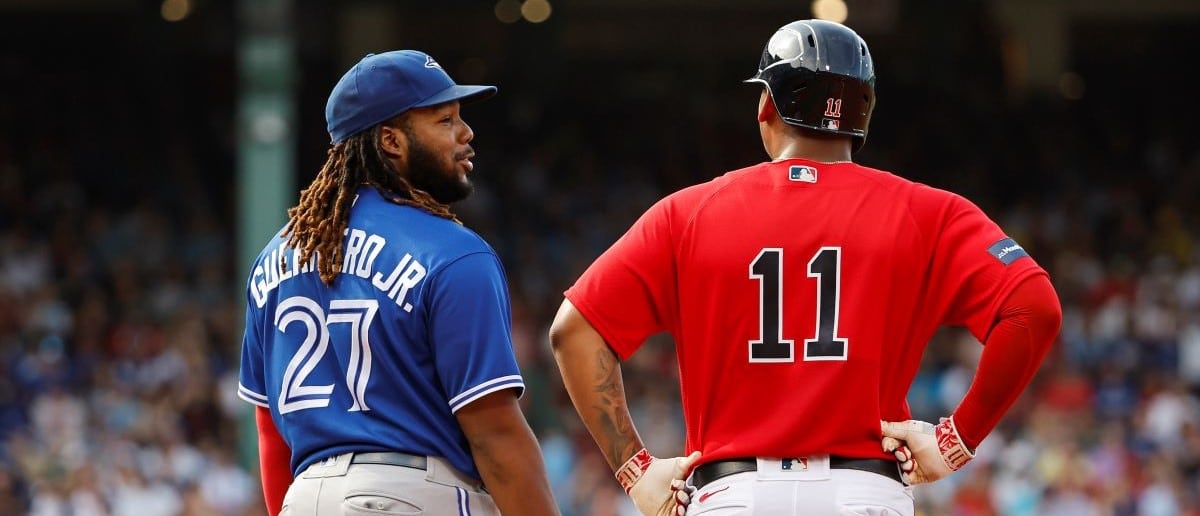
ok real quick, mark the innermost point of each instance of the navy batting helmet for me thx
(820, 77)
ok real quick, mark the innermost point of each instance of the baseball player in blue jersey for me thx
(377, 343)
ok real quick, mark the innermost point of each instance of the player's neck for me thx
(825, 150)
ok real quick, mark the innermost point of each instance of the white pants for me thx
(813, 490)
(336, 487)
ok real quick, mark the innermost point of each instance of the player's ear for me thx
(766, 108)
(392, 140)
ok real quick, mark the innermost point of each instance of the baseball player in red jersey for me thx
(801, 293)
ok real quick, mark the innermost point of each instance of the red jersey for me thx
(801, 296)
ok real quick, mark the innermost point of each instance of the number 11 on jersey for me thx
(826, 267)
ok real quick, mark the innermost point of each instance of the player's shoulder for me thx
(930, 196)
(918, 191)
(275, 245)
(700, 191)
(880, 176)
(689, 200)
(414, 226)
(682, 204)
(883, 182)
(932, 205)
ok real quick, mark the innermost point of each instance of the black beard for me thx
(428, 173)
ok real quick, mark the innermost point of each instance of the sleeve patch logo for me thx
(1007, 251)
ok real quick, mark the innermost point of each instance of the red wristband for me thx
(950, 444)
(632, 470)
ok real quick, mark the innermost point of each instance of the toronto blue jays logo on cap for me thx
(802, 173)
(381, 86)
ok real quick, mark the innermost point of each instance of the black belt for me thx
(390, 459)
(722, 468)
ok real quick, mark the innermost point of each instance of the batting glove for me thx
(926, 452)
(903, 456)
(656, 485)
(683, 496)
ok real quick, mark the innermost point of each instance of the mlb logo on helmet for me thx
(802, 173)
(831, 124)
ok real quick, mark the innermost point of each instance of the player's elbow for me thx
(1047, 315)
(1041, 311)
(568, 329)
(559, 335)
(1050, 318)
(575, 342)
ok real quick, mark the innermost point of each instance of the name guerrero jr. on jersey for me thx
(362, 249)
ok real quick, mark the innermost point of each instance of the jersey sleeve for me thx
(251, 384)
(471, 330)
(975, 267)
(629, 292)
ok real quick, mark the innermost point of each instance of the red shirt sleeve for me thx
(1026, 328)
(629, 292)
(274, 457)
(974, 266)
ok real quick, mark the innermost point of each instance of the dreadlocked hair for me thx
(318, 222)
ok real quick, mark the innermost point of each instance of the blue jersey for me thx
(415, 327)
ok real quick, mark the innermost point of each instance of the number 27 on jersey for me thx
(315, 322)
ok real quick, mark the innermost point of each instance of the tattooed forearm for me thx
(616, 435)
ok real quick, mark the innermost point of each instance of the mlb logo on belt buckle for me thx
(792, 462)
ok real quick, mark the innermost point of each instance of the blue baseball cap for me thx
(381, 86)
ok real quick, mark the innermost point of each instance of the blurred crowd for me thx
(117, 338)
(120, 288)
